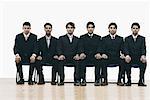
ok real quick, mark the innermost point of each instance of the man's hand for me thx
(104, 56)
(127, 58)
(76, 57)
(82, 56)
(61, 57)
(122, 56)
(98, 56)
(39, 58)
(17, 59)
(32, 58)
(143, 59)
(55, 57)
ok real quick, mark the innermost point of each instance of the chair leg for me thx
(17, 77)
(35, 75)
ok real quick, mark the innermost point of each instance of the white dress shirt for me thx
(112, 36)
(26, 36)
(91, 35)
(48, 40)
(134, 37)
(70, 37)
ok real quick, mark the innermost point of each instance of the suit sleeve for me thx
(56, 45)
(122, 46)
(35, 50)
(16, 46)
(38, 48)
(59, 46)
(80, 46)
(103, 45)
(143, 47)
(100, 47)
(126, 47)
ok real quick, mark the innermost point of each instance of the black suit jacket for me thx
(90, 46)
(135, 48)
(66, 48)
(112, 47)
(25, 48)
(46, 52)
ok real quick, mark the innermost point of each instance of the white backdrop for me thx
(13, 14)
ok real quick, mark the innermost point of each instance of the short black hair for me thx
(135, 23)
(48, 24)
(26, 23)
(70, 23)
(112, 24)
(90, 23)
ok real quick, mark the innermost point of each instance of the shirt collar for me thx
(26, 35)
(48, 37)
(90, 34)
(112, 36)
(134, 36)
(70, 36)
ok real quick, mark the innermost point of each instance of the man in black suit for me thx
(90, 56)
(68, 52)
(47, 54)
(25, 51)
(135, 51)
(112, 46)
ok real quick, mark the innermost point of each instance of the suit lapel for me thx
(45, 43)
(23, 38)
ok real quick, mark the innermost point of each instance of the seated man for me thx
(47, 54)
(25, 51)
(112, 46)
(68, 52)
(90, 43)
(135, 51)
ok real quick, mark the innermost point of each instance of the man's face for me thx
(26, 29)
(135, 29)
(90, 28)
(70, 29)
(112, 29)
(48, 30)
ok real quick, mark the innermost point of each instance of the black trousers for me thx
(39, 67)
(90, 60)
(107, 62)
(142, 67)
(68, 60)
(31, 69)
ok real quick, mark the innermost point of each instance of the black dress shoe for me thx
(141, 84)
(61, 83)
(120, 84)
(41, 83)
(53, 83)
(97, 83)
(128, 84)
(104, 84)
(83, 83)
(30, 82)
(77, 83)
(21, 81)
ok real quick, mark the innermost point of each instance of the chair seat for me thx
(112, 65)
(135, 65)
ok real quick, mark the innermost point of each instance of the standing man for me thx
(25, 51)
(112, 46)
(47, 54)
(68, 53)
(90, 43)
(135, 51)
